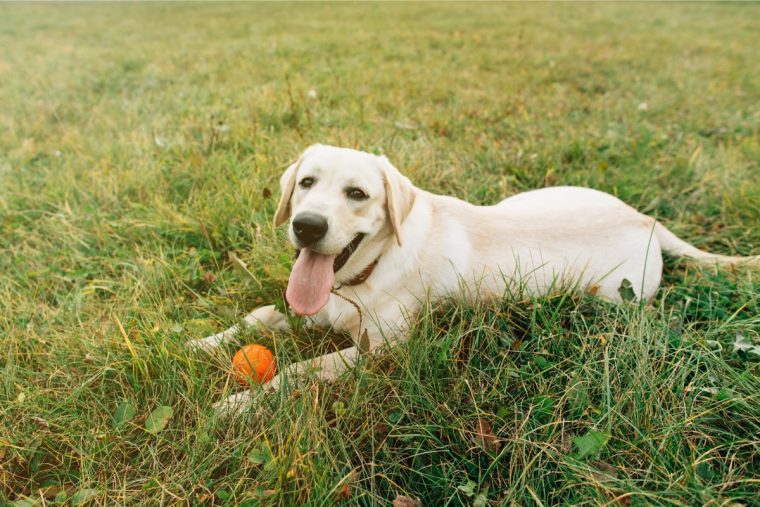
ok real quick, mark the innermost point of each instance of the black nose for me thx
(309, 228)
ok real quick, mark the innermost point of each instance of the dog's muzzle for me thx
(309, 228)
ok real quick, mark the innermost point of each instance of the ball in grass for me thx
(253, 362)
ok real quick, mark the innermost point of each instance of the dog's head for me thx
(344, 207)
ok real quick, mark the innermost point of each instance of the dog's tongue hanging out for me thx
(310, 282)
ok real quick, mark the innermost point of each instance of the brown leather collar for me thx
(361, 277)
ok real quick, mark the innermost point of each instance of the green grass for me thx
(140, 144)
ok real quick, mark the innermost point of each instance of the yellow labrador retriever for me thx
(373, 248)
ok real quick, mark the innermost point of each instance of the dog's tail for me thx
(674, 245)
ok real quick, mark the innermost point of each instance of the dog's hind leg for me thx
(265, 316)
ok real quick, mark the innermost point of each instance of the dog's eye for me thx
(306, 182)
(356, 194)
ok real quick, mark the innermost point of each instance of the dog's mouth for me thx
(313, 275)
(343, 256)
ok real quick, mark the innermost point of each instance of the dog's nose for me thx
(309, 228)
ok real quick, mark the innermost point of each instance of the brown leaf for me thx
(209, 277)
(604, 472)
(364, 343)
(405, 501)
(344, 491)
(484, 436)
(42, 422)
(593, 290)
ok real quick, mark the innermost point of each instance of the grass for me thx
(140, 144)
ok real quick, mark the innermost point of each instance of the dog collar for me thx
(362, 277)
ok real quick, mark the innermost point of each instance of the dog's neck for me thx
(362, 277)
(377, 250)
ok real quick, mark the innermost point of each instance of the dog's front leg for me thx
(327, 367)
(266, 316)
(331, 366)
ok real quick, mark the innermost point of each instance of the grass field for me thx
(141, 144)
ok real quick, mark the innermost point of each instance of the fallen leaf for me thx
(260, 455)
(705, 471)
(741, 343)
(467, 488)
(83, 496)
(260, 492)
(590, 443)
(344, 491)
(42, 422)
(364, 343)
(604, 471)
(125, 412)
(405, 501)
(484, 436)
(158, 419)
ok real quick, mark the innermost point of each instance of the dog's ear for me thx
(399, 196)
(287, 185)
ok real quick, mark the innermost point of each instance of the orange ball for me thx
(253, 362)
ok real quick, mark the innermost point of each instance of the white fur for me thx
(432, 246)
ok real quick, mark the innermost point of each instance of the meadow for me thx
(140, 151)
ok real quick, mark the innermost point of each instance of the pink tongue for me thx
(310, 282)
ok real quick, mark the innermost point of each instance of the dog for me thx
(372, 249)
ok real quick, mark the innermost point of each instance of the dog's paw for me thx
(235, 404)
(238, 403)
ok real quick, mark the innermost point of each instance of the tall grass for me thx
(141, 144)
